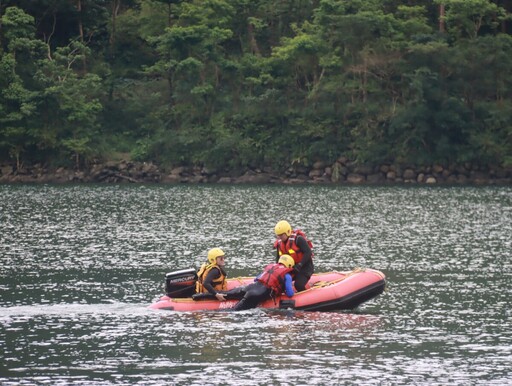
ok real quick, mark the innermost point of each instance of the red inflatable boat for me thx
(326, 292)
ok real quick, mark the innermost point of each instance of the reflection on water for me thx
(80, 264)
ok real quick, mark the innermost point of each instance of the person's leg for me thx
(245, 304)
(235, 293)
(255, 294)
(302, 277)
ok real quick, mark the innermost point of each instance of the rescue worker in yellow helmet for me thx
(211, 277)
(296, 244)
(274, 279)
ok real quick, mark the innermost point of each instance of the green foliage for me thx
(76, 98)
(17, 25)
(491, 143)
(18, 103)
(232, 84)
(466, 18)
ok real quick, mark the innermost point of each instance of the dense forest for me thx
(233, 84)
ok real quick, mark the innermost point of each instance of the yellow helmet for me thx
(287, 261)
(213, 254)
(283, 227)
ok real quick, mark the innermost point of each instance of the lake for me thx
(79, 264)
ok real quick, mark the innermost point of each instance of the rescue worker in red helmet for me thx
(296, 244)
(274, 279)
(211, 277)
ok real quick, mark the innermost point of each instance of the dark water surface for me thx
(79, 265)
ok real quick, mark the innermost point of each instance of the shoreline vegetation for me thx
(341, 172)
(232, 91)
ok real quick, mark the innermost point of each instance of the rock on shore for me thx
(343, 171)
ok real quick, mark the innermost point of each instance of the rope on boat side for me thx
(323, 283)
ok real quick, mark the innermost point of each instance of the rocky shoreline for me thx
(343, 171)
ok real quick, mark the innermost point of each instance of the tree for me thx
(76, 101)
(466, 18)
(18, 104)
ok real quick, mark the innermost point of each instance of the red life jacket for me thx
(291, 248)
(273, 277)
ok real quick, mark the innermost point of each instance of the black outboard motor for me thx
(181, 284)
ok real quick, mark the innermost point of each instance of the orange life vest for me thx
(218, 284)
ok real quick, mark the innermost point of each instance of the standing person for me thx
(274, 279)
(296, 244)
(211, 277)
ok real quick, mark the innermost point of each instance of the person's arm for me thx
(288, 287)
(257, 277)
(304, 247)
(208, 283)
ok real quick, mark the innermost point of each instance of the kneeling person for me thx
(275, 279)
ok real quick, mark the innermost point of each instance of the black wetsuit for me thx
(257, 292)
(253, 294)
(304, 269)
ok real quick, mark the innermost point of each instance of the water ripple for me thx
(80, 264)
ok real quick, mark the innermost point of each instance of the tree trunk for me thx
(116, 4)
(442, 27)
(169, 21)
(507, 4)
(81, 31)
(252, 40)
(1, 13)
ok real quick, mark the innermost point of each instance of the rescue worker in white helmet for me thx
(211, 277)
(296, 244)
